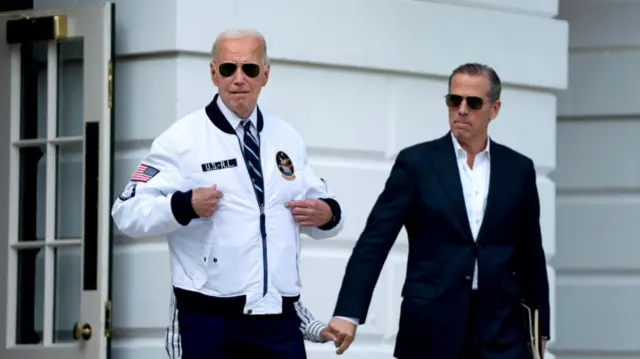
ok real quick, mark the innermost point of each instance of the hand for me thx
(204, 201)
(327, 336)
(543, 342)
(344, 331)
(311, 212)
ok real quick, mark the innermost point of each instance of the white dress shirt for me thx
(475, 187)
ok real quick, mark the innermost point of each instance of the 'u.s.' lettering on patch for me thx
(220, 165)
(144, 173)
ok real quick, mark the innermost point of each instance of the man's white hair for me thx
(239, 34)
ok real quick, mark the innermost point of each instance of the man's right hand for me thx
(344, 331)
(204, 201)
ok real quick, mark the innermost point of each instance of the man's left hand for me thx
(310, 212)
(344, 331)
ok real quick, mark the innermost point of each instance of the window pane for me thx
(67, 293)
(70, 87)
(30, 291)
(69, 191)
(33, 98)
(32, 197)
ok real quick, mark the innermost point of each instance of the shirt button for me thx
(249, 311)
(215, 260)
(204, 259)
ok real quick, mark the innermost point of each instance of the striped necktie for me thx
(252, 158)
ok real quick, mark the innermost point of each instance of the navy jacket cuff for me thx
(336, 211)
(181, 207)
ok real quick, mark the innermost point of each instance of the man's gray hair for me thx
(239, 34)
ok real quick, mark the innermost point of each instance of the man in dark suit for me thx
(471, 210)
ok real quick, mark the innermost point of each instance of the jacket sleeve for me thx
(317, 187)
(372, 248)
(152, 203)
(309, 326)
(532, 260)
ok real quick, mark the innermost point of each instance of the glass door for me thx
(55, 185)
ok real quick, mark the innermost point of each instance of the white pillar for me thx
(598, 180)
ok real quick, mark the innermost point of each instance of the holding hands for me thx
(344, 333)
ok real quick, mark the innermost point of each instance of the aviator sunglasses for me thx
(454, 101)
(227, 69)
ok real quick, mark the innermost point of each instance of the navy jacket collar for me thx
(218, 119)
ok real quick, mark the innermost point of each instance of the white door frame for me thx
(94, 24)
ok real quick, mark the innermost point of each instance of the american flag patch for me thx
(144, 173)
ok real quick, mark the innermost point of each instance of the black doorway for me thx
(11, 5)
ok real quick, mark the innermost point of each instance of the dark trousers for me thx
(472, 349)
(219, 330)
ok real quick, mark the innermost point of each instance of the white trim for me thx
(43, 141)
(14, 179)
(50, 195)
(58, 243)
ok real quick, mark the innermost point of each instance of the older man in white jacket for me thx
(232, 189)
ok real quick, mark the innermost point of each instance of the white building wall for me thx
(360, 80)
(598, 184)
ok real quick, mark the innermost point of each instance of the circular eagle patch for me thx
(285, 166)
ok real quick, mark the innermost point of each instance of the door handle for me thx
(82, 331)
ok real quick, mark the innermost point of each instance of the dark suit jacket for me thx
(424, 193)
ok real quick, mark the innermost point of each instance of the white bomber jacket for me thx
(241, 250)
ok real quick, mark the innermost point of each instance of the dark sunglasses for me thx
(227, 69)
(474, 102)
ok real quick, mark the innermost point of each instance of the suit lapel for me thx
(448, 173)
(498, 183)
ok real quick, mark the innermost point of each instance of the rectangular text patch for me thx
(213, 166)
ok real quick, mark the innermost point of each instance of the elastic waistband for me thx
(197, 302)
